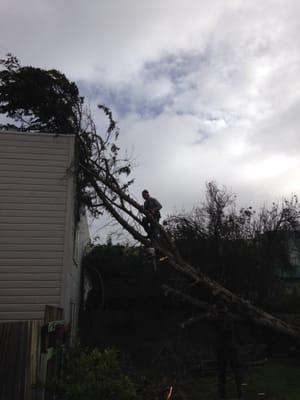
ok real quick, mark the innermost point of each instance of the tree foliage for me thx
(39, 100)
(242, 248)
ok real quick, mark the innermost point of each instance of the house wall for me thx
(82, 238)
(36, 223)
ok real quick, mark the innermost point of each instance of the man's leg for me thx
(153, 231)
(146, 225)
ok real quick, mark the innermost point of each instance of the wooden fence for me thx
(19, 360)
(22, 365)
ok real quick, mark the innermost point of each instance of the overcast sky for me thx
(201, 89)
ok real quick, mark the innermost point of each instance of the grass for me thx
(278, 379)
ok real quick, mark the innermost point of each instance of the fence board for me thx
(19, 361)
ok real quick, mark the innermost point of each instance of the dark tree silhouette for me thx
(37, 99)
(242, 248)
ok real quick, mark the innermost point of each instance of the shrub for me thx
(92, 375)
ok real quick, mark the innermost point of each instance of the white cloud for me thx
(273, 166)
(100, 39)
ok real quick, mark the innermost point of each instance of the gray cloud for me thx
(201, 89)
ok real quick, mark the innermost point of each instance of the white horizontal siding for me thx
(43, 180)
(34, 226)
(27, 240)
(13, 262)
(41, 138)
(32, 248)
(15, 149)
(30, 175)
(29, 269)
(31, 163)
(33, 254)
(21, 307)
(39, 202)
(35, 171)
(16, 292)
(18, 299)
(39, 236)
(7, 316)
(15, 193)
(26, 218)
(31, 276)
(28, 284)
(19, 187)
(50, 159)
(38, 206)
(19, 211)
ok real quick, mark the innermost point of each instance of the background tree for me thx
(243, 249)
(37, 99)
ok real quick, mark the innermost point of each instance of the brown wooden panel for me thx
(12, 364)
(53, 313)
(19, 361)
(33, 370)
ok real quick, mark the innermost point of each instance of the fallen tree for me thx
(102, 175)
(110, 193)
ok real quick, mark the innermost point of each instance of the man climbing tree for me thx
(152, 207)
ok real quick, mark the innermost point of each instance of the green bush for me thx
(92, 375)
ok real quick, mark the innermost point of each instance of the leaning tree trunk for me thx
(120, 205)
(237, 305)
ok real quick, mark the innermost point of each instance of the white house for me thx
(41, 242)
